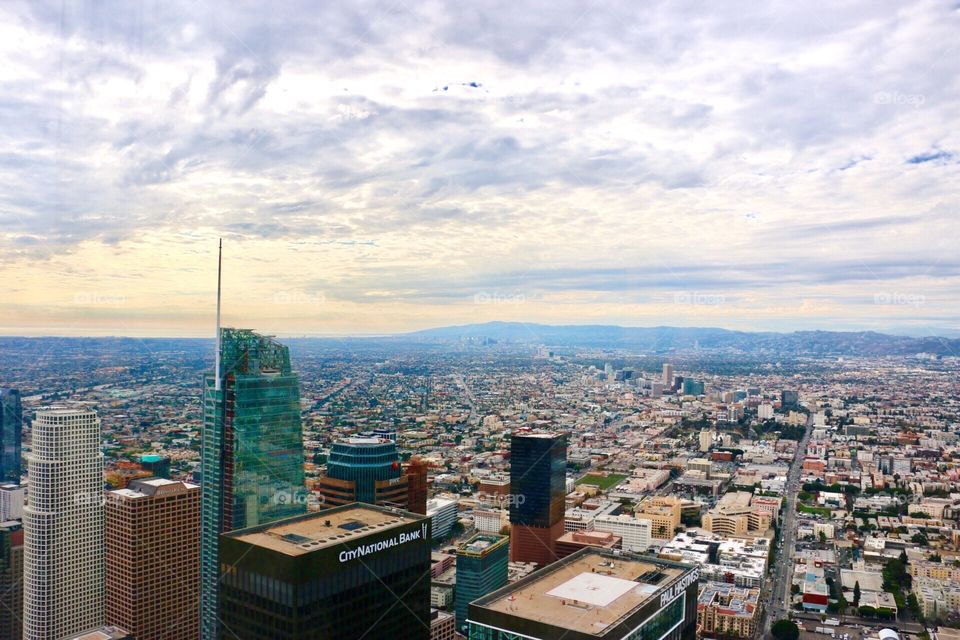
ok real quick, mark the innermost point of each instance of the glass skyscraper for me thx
(364, 461)
(252, 450)
(538, 487)
(481, 569)
(11, 429)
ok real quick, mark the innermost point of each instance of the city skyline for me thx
(392, 168)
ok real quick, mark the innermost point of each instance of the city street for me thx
(778, 594)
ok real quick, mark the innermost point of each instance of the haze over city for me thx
(386, 167)
(454, 320)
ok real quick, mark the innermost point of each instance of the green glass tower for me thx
(481, 569)
(252, 450)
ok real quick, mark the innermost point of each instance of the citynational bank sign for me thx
(678, 587)
(382, 545)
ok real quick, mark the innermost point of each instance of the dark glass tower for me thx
(351, 572)
(11, 430)
(538, 464)
(252, 451)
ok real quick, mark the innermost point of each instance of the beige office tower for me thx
(63, 526)
(153, 559)
(667, 375)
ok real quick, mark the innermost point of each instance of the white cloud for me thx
(590, 157)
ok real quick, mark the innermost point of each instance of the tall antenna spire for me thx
(216, 362)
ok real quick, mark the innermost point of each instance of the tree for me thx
(856, 594)
(785, 630)
(823, 538)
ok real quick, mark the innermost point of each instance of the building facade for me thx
(481, 568)
(442, 625)
(728, 611)
(364, 470)
(357, 571)
(63, 572)
(252, 450)
(153, 559)
(11, 432)
(538, 464)
(443, 514)
(593, 594)
(11, 580)
(635, 533)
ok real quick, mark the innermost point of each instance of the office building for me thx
(481, 568)
(442, 625)
(538, 473)
(488, 521)
(443, 514)
(11, 580)
(572, 541)
(692, 388)
(153, 559)
(106, 632)
(158, 466)
(664, 514)
(357, 571)
(789, 398)
(252, 449)
(63, 573)
(635, 533)
(12, 499)
(667, 375)
(11, 432)
(364, 470)
(417, 485)
(593, 595)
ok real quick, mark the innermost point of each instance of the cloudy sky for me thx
(382, 167)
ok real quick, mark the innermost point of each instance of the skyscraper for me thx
(63, 571)
(153, 559)
(351, 572)
(594, 594)
(11, 580)
(538, 464)
(11, 429)
(667, 374)
(416, 474)
(481, 568)
(364, 470)
(252, 450)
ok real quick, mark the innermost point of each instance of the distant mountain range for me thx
(852, 343)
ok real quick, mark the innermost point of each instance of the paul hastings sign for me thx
(679, 587)
(375, 547)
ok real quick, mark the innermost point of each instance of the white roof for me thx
(593, 588)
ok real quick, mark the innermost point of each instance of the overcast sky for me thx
(382, 167)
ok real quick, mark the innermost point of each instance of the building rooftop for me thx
(588, 592)
(307, 533)
(60, 410)
(480, 543)
(154, 487)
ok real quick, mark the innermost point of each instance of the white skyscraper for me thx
(63, 570)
